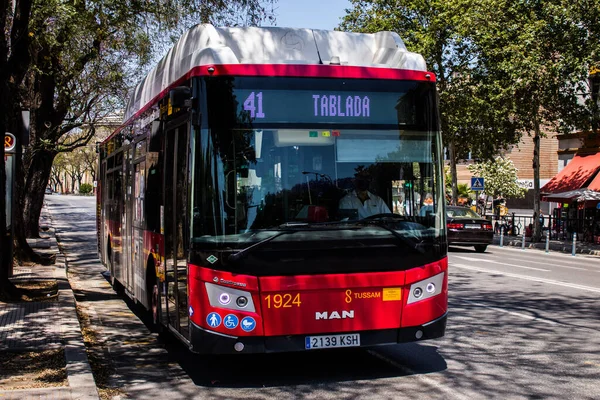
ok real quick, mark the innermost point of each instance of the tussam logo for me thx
(334, 315)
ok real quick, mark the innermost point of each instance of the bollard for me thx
(547, 241)
(523, 242)
(501, 236)
(574, 243)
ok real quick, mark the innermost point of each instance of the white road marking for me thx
(516, 314)
(501, 263)
(529, 278)
(539, 262)
(542, 251)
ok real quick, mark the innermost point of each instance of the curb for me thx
(560, 247)
(79, 372)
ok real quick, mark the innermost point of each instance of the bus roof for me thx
(205, 44)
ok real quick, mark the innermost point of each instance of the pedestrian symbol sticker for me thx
(213, 320)
(231, 321)
(477, 183)
(248, 324)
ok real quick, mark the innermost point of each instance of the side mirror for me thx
(155, 130)
(180, 97)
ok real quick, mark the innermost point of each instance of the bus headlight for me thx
(418, 292)
(241, 301)
(226, 297)
(430, 287)
(426, 288)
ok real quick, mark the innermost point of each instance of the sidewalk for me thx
(565, 246)
(36, 326)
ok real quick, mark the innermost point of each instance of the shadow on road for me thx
(306, 368)
(534, 343)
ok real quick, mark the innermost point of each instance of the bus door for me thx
(176, 274)
(102, 196)
(126, 222)
(115, 182)
(137, 244)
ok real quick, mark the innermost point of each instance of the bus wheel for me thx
(153, 301)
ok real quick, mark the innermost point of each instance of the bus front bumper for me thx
(206, 342)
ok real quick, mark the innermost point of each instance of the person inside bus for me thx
(427, 205)
(362, 200)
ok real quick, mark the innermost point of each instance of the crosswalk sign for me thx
(477, 184)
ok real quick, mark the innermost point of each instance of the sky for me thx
(315, 14)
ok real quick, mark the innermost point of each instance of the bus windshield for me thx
(329, 178)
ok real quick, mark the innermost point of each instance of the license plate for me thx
(472, 226)
(331, 341)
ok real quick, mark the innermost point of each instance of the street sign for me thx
(9, 142)
(477, 184)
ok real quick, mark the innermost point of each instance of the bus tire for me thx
(153, 298)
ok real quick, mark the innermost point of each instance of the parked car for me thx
(48, 191)
(467, 228)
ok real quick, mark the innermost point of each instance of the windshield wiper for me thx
(242, 253)
(399, 236)
(384, 216)
(288, 227)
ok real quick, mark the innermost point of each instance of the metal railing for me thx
(587, 229)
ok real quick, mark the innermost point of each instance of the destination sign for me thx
(304, 106)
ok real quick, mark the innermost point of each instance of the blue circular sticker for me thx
(213, 320)
(231, 321)
(248, 324)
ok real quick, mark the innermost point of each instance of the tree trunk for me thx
(31, 200)
(452, 156)
(537, 227)
(39, 169)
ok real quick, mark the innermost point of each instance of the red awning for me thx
(595, 184)
(575, 175)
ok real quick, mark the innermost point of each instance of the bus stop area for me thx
(550, 244)
(33, 327)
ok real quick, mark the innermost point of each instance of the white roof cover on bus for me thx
(205, 45)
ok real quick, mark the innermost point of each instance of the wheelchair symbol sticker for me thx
(231, 321)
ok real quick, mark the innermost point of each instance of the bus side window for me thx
(153, 195)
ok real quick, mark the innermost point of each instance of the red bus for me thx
(275, 189)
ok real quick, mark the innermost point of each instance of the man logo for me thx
(334, 315)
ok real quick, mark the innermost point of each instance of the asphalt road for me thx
(522, 324)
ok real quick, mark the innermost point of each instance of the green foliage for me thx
(500, 176)
(541, 52)
(474, 111)
(463, 190)
(71, 63)
(85, 188)
(503, 67)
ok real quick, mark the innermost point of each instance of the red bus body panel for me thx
(311, 304)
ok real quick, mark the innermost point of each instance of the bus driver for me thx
(364, 201)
